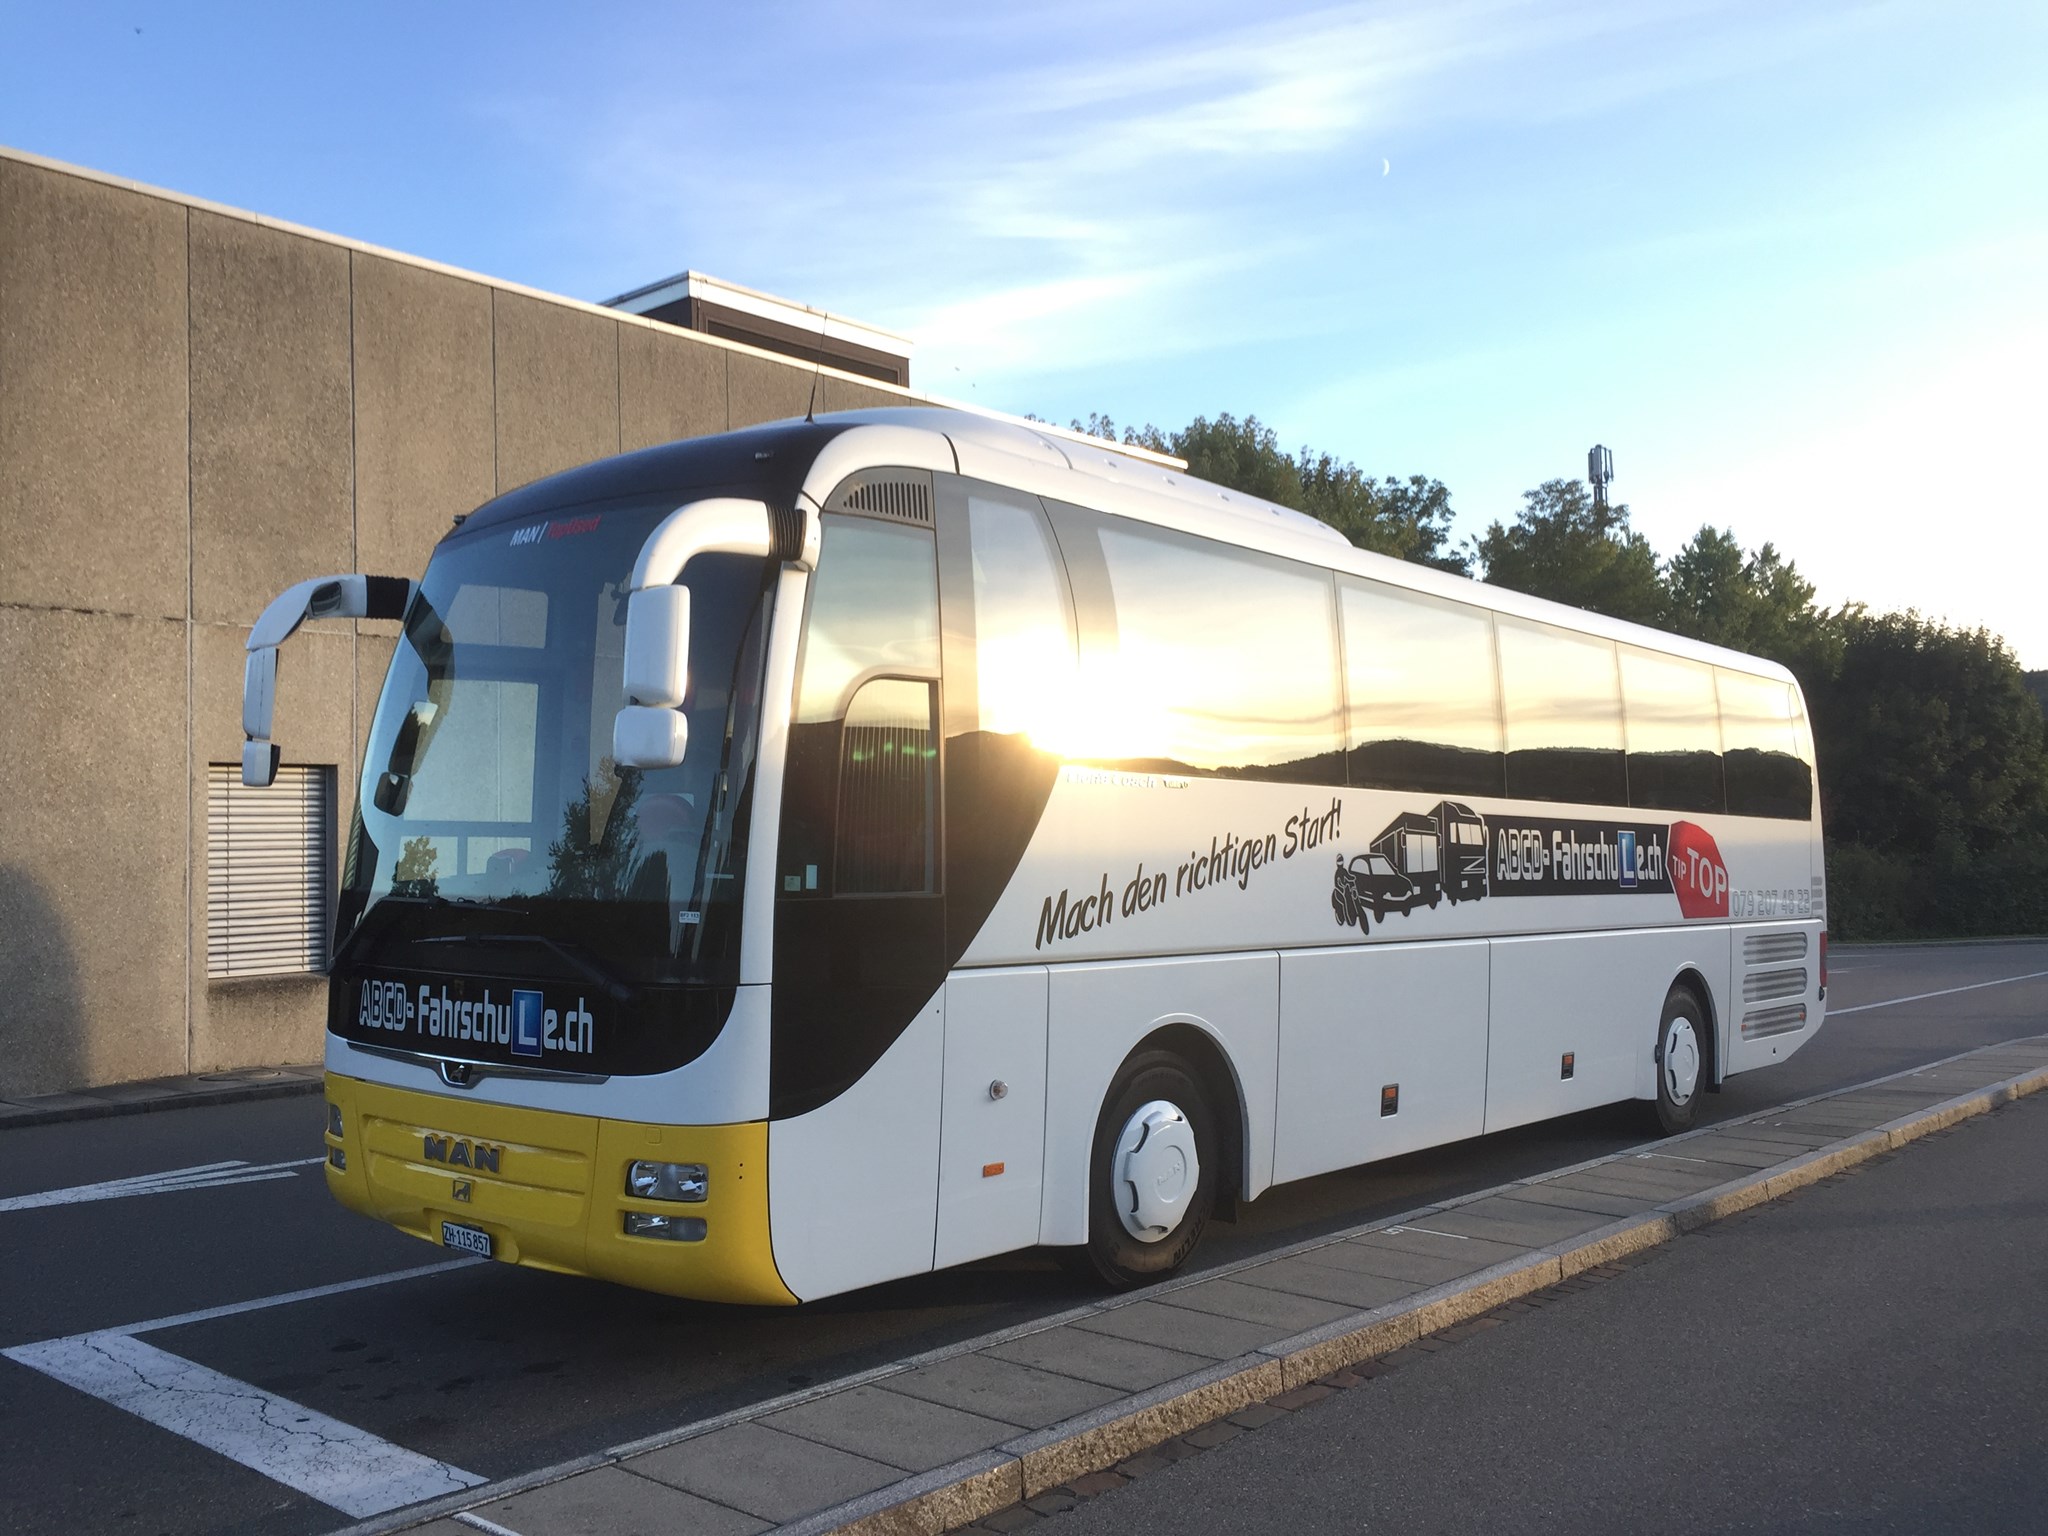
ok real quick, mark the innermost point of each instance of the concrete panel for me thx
(670, 385)
(425, 445)
(253, 1021)
(93, 412)
(558, 387)
(92, 849)
(760, 390)
(839, 395)
(373, 660)
(271, 432)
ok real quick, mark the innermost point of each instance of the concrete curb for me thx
(978, 1485)
(154, 1094)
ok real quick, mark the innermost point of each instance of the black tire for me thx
(1116, 1256)
(1684, 1057)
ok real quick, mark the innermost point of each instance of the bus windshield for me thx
(490, 804)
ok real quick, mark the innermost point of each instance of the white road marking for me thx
(1432, 1231)
(1673, 1157)
(201, 1176)
(286, 1298)
(471, 1518)
(1917, 997)
(348, 1468)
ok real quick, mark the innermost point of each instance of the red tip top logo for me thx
(1697, 872)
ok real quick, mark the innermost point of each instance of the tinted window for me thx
(888, 789)
(1423, 692)
(1563, 697)
(1767, 775)
(1674, 732)
(859, 811)
(1024, 642)
(1223, 661)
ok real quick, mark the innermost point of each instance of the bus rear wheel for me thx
(1152, 1172)
(1682, 1061)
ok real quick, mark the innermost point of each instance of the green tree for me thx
(1565, 548)
(1407, 519)
(1933, 765)
(1755, 602)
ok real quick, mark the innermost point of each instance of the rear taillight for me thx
(1823, 964)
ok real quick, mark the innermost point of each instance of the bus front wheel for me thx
(1682, 1061)
(1152, 1172)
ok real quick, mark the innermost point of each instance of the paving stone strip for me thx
(234, 1086)
(1013, 1426)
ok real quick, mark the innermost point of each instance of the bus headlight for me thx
(333, 1119)
(667, 1181)
(677, 1229)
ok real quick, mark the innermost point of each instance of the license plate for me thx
(468, 1239)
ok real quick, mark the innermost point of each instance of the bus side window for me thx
(1767, 773)
(1023, 635)
(1674, 733)
(1423, 691)
(1563, 715)
(1222, 661)
(859, 792)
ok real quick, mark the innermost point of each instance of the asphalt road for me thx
(497, 1371)
(1863, 1357)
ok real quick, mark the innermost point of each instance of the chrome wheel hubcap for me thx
(1156, 1171)
(1681, 1060)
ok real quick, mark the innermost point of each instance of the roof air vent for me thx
(901, 495)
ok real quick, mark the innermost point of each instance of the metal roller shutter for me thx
(268, 858)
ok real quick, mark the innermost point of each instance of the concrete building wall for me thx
(199, 407)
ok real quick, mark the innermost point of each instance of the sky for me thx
(1788, 261)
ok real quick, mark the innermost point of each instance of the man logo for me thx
(457, 1153)
(463, 1189)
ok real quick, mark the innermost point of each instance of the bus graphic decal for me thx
(1452, 852)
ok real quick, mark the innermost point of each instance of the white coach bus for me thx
(822, 853)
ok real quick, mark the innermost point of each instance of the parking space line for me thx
(1921, 997)
(171, 1181)
(344, 1467)
(287, 1298)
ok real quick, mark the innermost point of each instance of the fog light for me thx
(677, 1229)
(333, 1119)
(667, 1181)
(337, 1159)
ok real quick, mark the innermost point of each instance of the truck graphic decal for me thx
(1452, 852)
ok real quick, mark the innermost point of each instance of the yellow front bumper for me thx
(550, 1188)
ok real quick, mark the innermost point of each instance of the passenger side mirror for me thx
(651, 731)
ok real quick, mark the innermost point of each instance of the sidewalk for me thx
(230, 1087)
(1042, 1411)
(1863, 1357)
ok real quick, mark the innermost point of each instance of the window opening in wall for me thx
(269, 871)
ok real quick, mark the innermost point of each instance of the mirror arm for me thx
(651, 731)
(324, 597)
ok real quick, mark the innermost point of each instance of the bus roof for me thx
(1065, 466)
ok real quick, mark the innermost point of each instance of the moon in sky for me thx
(1386, 166)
